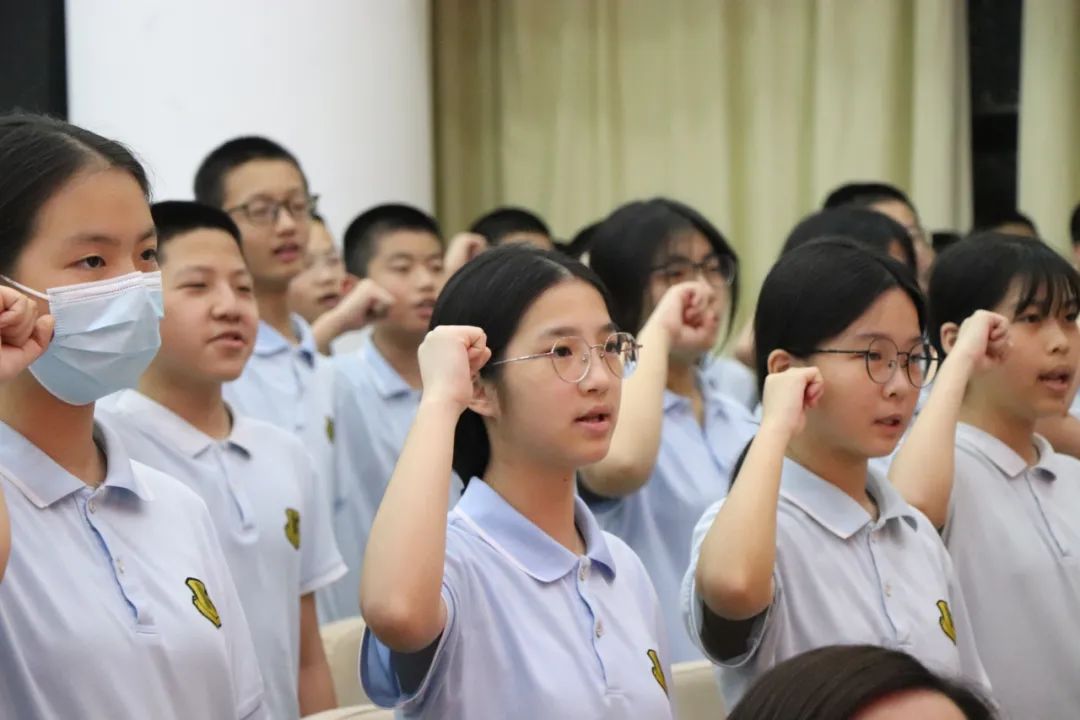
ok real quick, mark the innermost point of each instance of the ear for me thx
(485, 401)
(949, 333)
(779, 361)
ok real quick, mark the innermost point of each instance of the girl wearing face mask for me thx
(674, 281)
(517, 604)
(117, 601)
(811, 547)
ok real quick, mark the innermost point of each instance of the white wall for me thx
(344, 84)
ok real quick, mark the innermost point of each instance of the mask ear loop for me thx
(23, 288)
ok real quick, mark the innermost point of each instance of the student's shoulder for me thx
(169, 491)
(265, 437)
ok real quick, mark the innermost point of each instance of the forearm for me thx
(400, 590)
(636, 441)
(923, 468)
(735, 566)
(327, 328)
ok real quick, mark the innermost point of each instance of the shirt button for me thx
(888, 590)
(599, 628)
(120, 565)
(91, 506)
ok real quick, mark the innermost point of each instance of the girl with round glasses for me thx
(674, 282)
(516, 604)
(812, 547)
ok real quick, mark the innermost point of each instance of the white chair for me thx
(341, 640)
(697, 696)
(360, 712)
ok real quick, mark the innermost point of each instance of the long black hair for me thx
(838, 681)
(38, 155)
(492, 293)
(627, 246)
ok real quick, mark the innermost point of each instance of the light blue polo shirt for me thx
(533, 630)
(692, 471)
(290, 386)
(843, 578)
(375, 408)
(1013, 531)
(734, 380)
(273, 523)
(117, 601)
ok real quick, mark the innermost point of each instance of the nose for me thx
(284, 222)
(226, 305)
(425, 278)
(899, 385)
(1058, 340)
(598, 377)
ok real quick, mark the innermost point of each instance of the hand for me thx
(689, 314)
(364, 302)
(450, 358)
(983, 341)
(787, 397)
(24, 334)
(462, 248)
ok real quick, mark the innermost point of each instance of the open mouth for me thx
(1058, 380)
(287, 252)
(230, 337)
(599, 418)
(329, 299)
(895, 422)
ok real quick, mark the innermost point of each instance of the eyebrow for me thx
(210, 269)
(111, 240)
(566, 331)
(882, 336)
(412, 258)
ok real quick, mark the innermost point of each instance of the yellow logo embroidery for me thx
(945, 621)
(200, 598)
(292, 527)
(330, 429)
(658, 670)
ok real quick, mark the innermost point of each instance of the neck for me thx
(1009, 428)
(274, 311)
(682, 377)
(844, 470)
(63, 432)
(199, 403)
(399, 350)
(543, 495)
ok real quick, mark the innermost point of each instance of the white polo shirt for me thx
(692, 471)
(273, 524)
(1014, 535)
(117, 602)
(843, 578)
(533, 630)
(375, 408)
(290, 386)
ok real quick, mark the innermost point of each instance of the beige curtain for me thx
(1049, 159)
(750, 110)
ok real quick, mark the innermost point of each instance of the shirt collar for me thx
(147, 413)
(44, 482)
(1004, 457)
(833, 509)
(515, 537)
(388, 383)
(269, 341)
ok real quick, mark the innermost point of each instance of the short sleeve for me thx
(694, 610)
(377, 673)
(971, 666)
(320, 560)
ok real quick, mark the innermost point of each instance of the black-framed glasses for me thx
(716, 270)
(572, 356)
(264, 212)
(883, 358)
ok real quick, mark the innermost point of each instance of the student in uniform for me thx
(891, 201)
(517, 604)
(117, 601)
(398, 248)
(674, 282)
(263, 189)
(1007, 503)
(811, 547)
(859, 682)
(257, 480)
(329, 299)
(513, 225)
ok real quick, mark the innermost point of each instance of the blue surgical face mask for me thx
(106, 335)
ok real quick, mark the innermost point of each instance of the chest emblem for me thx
(658, 671)
(200, 598)
(946, 621)
(330, 429)
(292, 527)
